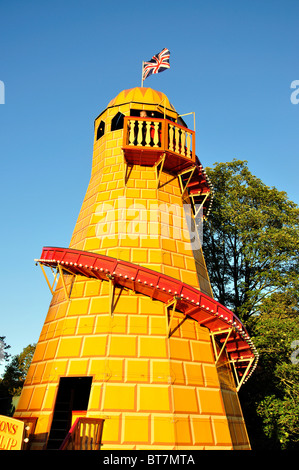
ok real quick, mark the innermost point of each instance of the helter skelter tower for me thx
(133, 335)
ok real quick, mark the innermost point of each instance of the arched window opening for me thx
(101, 130)
(117, 122)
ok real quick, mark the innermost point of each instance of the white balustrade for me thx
(148, 133)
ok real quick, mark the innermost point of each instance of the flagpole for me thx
(142, 75)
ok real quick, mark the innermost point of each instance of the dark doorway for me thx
(73, 394)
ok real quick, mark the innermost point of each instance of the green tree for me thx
(16, 371)
(5, 398)
(14, 376)
(270, 399)
(251, 241)
(251, 249)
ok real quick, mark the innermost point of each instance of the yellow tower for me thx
(133, 338)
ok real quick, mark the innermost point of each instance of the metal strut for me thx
(172, 304)
(60, 271)
(191, 171)
(217, 355)
(159, 171)
(111, 293)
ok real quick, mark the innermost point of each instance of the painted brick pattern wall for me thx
(153, 391)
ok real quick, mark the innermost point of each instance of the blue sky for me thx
(61, 62)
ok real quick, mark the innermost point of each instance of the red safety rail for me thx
(190, 301)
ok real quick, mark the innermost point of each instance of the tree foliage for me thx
(251, 247)
(270, 399)
(251, 242)
(16, 371)
(13, 378)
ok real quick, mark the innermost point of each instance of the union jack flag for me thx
(157, 64)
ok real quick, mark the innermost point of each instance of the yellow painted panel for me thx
(194, 375)
(123, 346)
(104, 324)
(25, 398)
(202, 352)
(138, 324)
(178, 261)
(69, 347)
(211, 401)
(91, 244)
(179, 349)
(99, 305)
(152, 347)
(58, 369)
(51, 349)
(92, 288)
(68, 327)
(50, 396)
(37, 398)
(137, 370)
(129, 240)
(169, 245)
(160, 371)
(119, 397)
(154, 398)
(149, 306)
(210, 375)
(31, 373)
(187, 329)
(125, 305)
(94, 346)
(85, 325)
(78, 367)
(111, 429)
(185, 400)
(183, 432)
(157, 326)
(163, 430)
(51, 313)
(62, 309)
(150, 241)
(189, 278)
(202, 431)
(221, 430)
(107, 369)
(177, 373)
(155, 256)
(172, 272)
(95, 397)
(78, 307)
(136, 429)
(139, 256)
(39, 351)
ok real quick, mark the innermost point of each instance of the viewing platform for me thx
(146, 140)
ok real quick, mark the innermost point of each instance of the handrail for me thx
(85, 434)
(153, 134)
(190, 301)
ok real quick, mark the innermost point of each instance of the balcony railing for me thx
(158, 136)
(85, 434)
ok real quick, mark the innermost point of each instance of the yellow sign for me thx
(11, 433)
